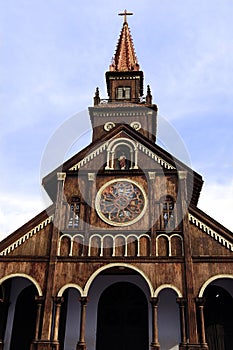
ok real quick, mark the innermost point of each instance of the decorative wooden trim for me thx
(89, 157)
(114, 237)
(151, 175)
(26, 236)
(70, 285)
(61, 176)
(72, 238)
(91, 176)
(13, 275)
(169, 238)
(182, 174)
(154, 156)
(209, 231)
(211, 279)
(119, 265)
(167, 286)
(105, 145)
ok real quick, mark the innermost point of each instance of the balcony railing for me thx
(140, 100)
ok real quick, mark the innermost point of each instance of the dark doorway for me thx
(218, 312)
(24, 320)
(122, 318)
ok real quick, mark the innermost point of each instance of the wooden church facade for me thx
(123, 259)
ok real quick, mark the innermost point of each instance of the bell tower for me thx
(126, 103)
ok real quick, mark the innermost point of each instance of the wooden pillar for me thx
(200, 307)
(90, 189)
(192, 335)
(58, 301)
(182, 303)
(47, 322)
(39, 302)
(81, 343)
(153, 211)
(155, 340)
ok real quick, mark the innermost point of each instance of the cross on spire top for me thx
(125, 14)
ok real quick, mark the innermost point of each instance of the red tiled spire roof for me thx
(125, 58)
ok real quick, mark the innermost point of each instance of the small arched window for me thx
(74, 212)
(168, 213)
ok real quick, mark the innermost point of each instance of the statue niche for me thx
(122, 160)
(121, 155)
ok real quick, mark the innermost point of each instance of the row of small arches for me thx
(120, 245)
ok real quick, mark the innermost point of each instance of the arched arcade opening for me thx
(218, 314)
(18, 311)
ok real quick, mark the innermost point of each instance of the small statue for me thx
(122, 161)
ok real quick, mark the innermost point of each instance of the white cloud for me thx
(16, 210)
(217, 201)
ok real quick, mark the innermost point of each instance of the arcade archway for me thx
(218, 312)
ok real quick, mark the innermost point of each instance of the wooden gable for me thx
(208, 237)
(32, 239)
(150, 156)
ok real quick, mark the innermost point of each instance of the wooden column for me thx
(89, 195)
(182, 303)
(45, 342)
(153, 211)
(155, 340)
(58, 301)
(81, 343)
(39, 302)
(200, 307)
(188, 264)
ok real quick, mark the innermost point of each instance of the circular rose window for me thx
(120, 202)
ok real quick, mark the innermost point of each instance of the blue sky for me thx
(54, 53)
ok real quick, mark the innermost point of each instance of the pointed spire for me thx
(125, 58)
(148, 95)
(97, 97)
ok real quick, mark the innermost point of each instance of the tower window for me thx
(168, 213)
(123, 93)
(74, 211)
